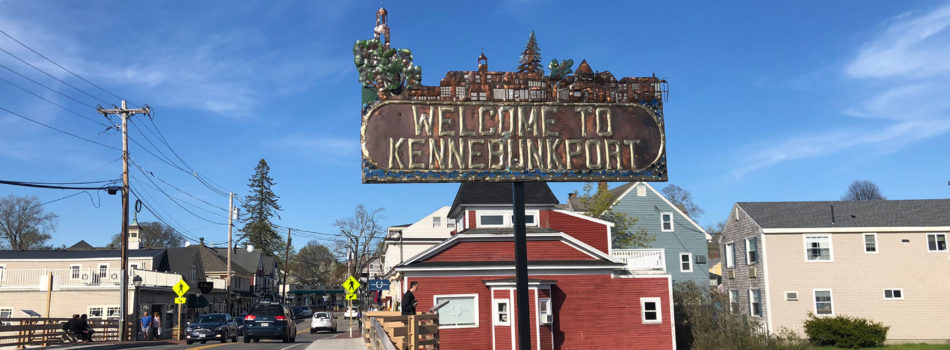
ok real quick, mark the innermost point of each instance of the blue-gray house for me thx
(681, 239)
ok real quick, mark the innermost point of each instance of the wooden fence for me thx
(21, 332)
(401, 332)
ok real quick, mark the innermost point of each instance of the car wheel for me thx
(256, 340)
(293, 339)
(203, 341)
(189, 342)
(234, 338)
(312, 331)
(247, 339)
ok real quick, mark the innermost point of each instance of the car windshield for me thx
(210, 319)
(321, 315)
(267, 310)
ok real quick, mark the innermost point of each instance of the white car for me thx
(322, 321)
(350, 313)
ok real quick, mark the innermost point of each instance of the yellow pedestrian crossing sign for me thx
(180, 300)
(351, 285)
(351, 297)
(181, 288)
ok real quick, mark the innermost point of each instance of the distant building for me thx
(405, 241)
(883, 260)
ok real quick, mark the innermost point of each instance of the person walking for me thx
(146, 325)
(87, 332)
(156, 326)
(409, 301)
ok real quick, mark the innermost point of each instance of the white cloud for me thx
(898, 80)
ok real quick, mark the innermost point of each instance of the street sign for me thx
(351, 285)
(181, 287)
(351, 297)
(378, 285)
(180, 300)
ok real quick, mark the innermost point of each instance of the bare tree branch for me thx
(23, 224)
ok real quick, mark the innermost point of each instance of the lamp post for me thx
(137, 282)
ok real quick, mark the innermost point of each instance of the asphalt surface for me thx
(304, 338)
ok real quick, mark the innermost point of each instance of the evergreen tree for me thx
(531, 57)
(260, 205)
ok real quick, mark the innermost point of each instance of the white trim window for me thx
(650, 311)
(870, 243)
(686, 262)
(3, 269)
(755, 302)
(501, 312)
(491, 220)
(666, 222)
(751, 251)
(733, 301)
(894, 294)
(112, 312)
(824, 305)
(436, 222)
(641, 191)
(460, 312)
(75, 272)
(544, 306)
(504, 218)
(730, 255)
(936, 242)
(818, 248)
(96, 312)
(6, 312)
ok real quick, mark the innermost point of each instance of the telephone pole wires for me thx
(231, 217)
(125, 113)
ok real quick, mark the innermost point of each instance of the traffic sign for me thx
(181, 287)
(180, 300)
(351, 285)
(351, 297)
(378, 285)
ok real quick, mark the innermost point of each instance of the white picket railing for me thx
(89, 277)
(642, 259)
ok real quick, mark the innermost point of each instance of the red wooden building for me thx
(580, 296)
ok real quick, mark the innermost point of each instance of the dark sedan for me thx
(206, 327)
(270, 321)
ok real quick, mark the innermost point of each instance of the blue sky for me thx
(768, 101)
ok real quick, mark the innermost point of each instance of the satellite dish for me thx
(187, 244)
(250, 248)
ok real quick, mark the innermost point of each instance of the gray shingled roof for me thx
(474, 193)
(881, 213)
(577, 205)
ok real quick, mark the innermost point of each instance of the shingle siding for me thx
(736, 231)
(684, 238)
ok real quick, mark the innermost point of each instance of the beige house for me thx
(406, 241)
(881, 260)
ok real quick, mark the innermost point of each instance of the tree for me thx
(683, 200)
(600, 206)
(863, 190)
(385, 69)
(531, 57)
(314, 264)
(153, 235)
(23, 224)
(560, 70)
(261, 205)
(361, 232)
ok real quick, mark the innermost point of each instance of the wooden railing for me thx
(20, 332)
(401, 332)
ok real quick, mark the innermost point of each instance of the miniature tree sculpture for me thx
(531, 57)
(386, 70)
(560, 70)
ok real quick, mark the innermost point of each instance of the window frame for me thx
(78, 271)
(658, 311)
(507, 218)
(11, 308)
(831, 249)
(752, 309)
(663, 222)
(791, 299)
(496, 313)
(102, 311)
(814, 301)
(3, 271)
(641, 190)
(938, 250)
(730, 258)
(864, 242)
(690, 261)
(544, 306)
(748, 254)
(901, 290)
(436, 222)
(475, 311)
(733, 300)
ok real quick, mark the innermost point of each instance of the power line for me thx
(53, 103)
(58, 65)
(152, 174)
(60, 130)
(182, 232)
(111, 189)
(56, 200)
(51, 76)
(194, 172)
(47, 87)
(148, 177)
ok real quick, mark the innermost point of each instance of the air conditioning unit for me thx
(731, 274)
(547, 319)
(753, 273)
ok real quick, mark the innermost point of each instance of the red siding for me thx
(459, 338)
(471, 219)
(587, 231)
(504, 251)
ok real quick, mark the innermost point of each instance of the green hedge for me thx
(845, 332)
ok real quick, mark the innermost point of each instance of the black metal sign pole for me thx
(521, 266)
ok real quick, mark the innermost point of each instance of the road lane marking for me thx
(209, 346)
(290, 346)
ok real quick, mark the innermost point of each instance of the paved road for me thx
(304, 338)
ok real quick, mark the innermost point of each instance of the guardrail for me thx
(20, 332)
(642, 259)
(413, 332)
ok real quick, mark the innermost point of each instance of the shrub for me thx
(845, 331)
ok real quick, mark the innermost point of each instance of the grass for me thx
(901, 347)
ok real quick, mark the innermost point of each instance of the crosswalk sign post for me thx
(180, 288)
(351, 285)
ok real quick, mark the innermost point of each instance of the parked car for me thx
(302, 312)
(211, 327)
(350, 313)
(322, 321)
(269, 320)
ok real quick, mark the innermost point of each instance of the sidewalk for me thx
(340, 342)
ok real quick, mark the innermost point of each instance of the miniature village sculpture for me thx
(498, 126)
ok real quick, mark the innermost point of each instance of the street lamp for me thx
(137, 282)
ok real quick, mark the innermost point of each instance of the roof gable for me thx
(480, 193)
(653, 192)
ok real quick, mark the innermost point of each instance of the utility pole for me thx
(286, 266)
(227, 282)
(125, 113)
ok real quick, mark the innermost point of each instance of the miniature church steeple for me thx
(381, 27)
(482, 63)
